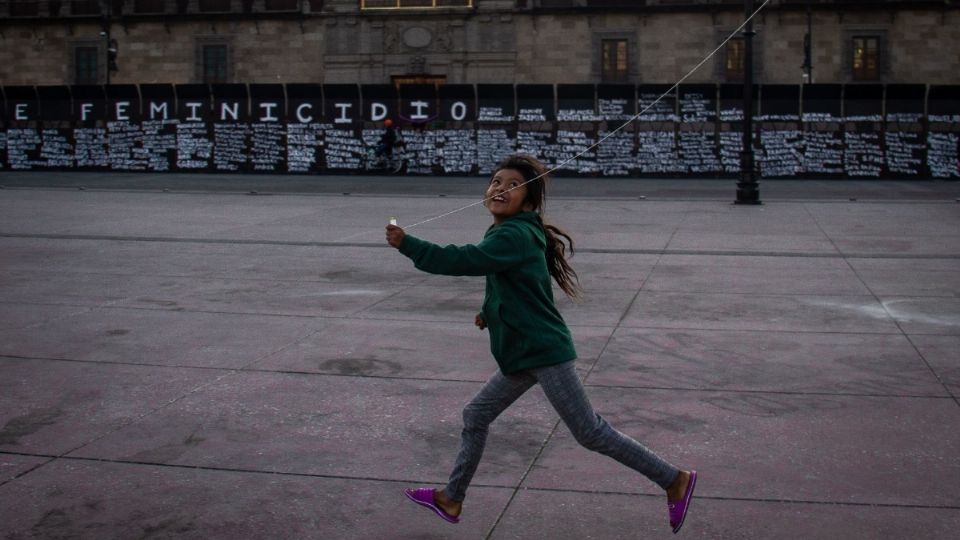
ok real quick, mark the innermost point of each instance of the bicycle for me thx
(393, 163)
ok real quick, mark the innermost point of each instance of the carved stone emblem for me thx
(417, 37)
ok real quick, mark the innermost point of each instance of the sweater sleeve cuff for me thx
(410, 245)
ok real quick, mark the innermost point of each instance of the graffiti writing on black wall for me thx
(812, 131)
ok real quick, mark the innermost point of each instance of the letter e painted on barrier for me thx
(122, 110)
(21, 111)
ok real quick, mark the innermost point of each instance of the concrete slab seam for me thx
(377, 245)
(751, 499)
(768, 392)
(213, 468)
(354, 314)
(201, 386)
(28, 471)
(348, 317)
(469, 381)
(407, 481)
(956, 399)
(944, 192)
(895, 321)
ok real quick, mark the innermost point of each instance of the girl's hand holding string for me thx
(395, 235)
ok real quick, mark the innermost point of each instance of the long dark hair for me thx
(536, 198)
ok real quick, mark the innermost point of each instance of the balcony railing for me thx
(96, 8)
(414, 4)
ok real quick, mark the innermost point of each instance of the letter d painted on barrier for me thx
(378, 111)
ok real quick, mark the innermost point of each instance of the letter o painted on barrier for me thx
(458, 111)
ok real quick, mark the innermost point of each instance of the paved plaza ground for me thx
(204, 363)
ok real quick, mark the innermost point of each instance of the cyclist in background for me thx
(388, 140)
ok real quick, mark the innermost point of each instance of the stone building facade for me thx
(54, 42)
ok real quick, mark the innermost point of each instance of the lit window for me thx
(400, 80)
(866, 58)
(614, 60)
(214, 64)
(733, 67)
(85, 65)
(407, 4)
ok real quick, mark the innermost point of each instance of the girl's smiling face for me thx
(506, 195)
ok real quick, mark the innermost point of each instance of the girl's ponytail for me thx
(560, 269)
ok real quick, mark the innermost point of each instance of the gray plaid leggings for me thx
(565, 392)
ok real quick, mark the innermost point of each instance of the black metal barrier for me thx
(812, 131)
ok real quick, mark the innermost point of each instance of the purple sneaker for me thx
(424, 497)
(678, 510)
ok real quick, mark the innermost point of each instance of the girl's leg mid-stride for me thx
(565, 392)
(497, 394)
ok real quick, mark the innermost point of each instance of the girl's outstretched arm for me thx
(502, 249)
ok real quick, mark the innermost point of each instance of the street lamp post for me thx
(808, 47)
(748, 191)
(106, 7)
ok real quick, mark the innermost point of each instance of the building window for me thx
(149, 6)
(24, 8)
(214, 64)
(733, 65)
(614, 64)
(413, 4)
(85, 60)
(280, 5)
(866, 58)
(214, 6)
(85, 7)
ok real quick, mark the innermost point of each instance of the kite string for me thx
(608, 135)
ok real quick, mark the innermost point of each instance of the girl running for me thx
(528, 337)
